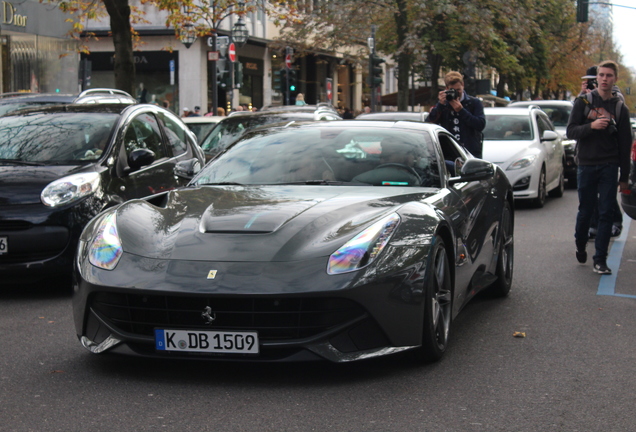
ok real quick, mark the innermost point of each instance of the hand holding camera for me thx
(450, 96)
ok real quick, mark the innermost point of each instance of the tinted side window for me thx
(143, 132)
(177, 138)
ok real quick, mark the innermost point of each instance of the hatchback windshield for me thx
(327, 155)
(55, 138)
(508, 128)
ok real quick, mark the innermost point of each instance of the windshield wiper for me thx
(221, 184)
(21, 162)
(314, 182)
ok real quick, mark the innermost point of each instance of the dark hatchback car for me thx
(62, 165)
(233, 127)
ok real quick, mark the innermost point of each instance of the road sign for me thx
(231, 52)
(288, 62)
(213, 55)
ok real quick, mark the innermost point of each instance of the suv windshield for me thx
(316, 155)
(72, 138)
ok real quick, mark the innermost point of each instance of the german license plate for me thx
(206, 341)
(4, 245)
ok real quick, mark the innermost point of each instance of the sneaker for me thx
(581, 255)
(616, 230)
(602, 268)
(591, 233)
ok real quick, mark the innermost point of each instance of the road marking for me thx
(607, 284)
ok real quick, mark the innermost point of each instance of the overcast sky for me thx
(625, 30)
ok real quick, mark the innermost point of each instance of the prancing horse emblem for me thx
(208, 315)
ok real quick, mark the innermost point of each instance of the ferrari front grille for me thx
(277, 318)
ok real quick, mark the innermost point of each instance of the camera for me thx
(611, 127)
(592, 84)
(451, 94)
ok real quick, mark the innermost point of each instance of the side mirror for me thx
(139, 158)
(187, 169)
(474, 170)
(549, 135)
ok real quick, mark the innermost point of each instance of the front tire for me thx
(505, 261)
(437, 304)
(539, 201)
(558, 191)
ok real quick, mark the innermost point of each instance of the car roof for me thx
(511, 111)
(203, 119)
(542, 102)
(72, 108)
(394, 115)
(9, 98)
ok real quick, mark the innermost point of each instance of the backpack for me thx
(587, 99)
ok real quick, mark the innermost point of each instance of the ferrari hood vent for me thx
(252, 219)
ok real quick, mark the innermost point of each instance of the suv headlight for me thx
(105, 249)
(364, 248)
(69, 189)
(525, 161)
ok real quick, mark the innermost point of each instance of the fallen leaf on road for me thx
(57, 371)
(519, 334)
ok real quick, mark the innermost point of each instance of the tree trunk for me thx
(404, 59)
(124, 64)
(501, 85)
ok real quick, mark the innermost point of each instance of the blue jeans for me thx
(597, 186)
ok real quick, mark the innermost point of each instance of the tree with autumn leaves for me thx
(533, 45)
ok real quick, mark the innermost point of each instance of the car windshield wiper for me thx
(315, 182)
(221, 184)
(21, 162)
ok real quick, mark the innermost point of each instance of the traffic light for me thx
(292, 80)
(280, 81)
(224, 80)
(375, 70)
(581, 10)
(238, 75)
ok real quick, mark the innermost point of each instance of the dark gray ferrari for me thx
(332, 240)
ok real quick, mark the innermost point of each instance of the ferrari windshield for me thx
(327, 155)
(56, 138)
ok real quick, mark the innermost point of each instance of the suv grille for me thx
(274, 318)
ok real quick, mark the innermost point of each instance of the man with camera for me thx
(460, 114)
(604, 138)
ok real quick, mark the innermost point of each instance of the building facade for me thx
(37, 53)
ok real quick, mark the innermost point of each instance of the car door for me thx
(473, 210)
(554, 149)
(180, 142)
(143, 132)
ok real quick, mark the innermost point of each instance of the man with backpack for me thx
(600, 124)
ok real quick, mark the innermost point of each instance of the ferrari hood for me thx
(232, 223)
(504, 151)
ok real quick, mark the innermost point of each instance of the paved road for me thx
(574, 371)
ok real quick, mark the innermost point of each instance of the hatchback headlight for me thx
(105, 249)
(525, 161)
(69, 189)
(364, 248)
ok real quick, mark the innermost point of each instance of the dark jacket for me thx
(595, 147)
(470, 125)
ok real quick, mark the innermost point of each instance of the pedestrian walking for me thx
(460, 114)
(300, 99)
(604, 138)
(588, 84)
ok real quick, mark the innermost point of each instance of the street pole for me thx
(371, 83)
(215, 83)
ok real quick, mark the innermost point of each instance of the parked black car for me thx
(62, 165)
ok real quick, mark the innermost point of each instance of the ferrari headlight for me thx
(105, 249)
(69, 189)
(364, 248)
(525, 161)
